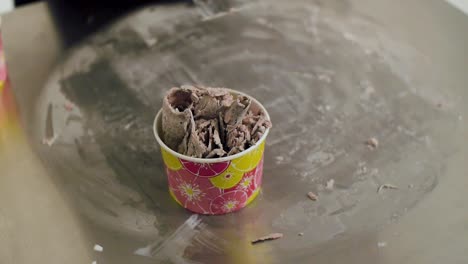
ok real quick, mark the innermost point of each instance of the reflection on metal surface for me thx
(323, 116)
(192, 233)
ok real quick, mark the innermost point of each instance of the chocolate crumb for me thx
(312, 196)
(386, 186)
(372, 143)
(272, 236)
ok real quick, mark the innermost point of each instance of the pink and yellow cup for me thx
(214, 186)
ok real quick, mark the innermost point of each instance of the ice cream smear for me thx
(205, 122)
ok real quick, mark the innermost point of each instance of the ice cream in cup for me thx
(212, 143)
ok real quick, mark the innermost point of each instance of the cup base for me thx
(249, 200)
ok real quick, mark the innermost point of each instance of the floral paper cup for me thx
(214, 186)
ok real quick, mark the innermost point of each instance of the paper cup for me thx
(214, 186)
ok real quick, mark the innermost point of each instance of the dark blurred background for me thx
(22, 2)
(78, 18)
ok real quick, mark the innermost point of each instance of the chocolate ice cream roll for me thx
(176, 116)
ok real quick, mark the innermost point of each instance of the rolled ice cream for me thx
(204, 122)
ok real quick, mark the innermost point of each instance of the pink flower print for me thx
(191, 192)
(250, 181)
(228, 202)
(205, 169)
(194, 193)
(229, 205)
(246, 182)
